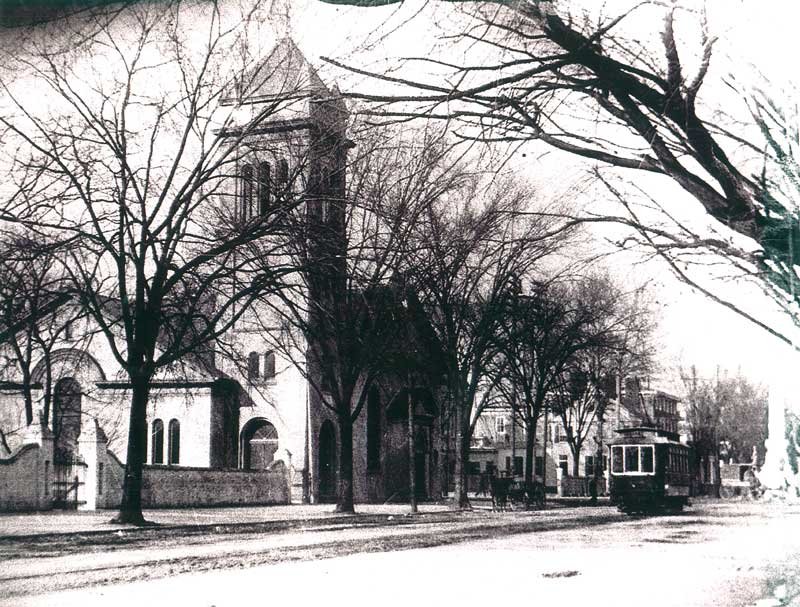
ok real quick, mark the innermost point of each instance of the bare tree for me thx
(726, 413)
(129, 165)
(580, 84)
(540, 334)
(31, 297)
(471, 252)
(707, 401)
(617, 343)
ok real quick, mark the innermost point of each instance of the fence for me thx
(69, 478)
(580, 486)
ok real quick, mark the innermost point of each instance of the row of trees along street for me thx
(137, 240)
(643, 92)
(563, 344)
(726, 416)
(122, 180)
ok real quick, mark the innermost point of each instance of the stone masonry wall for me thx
(175, 487)
(22, 480)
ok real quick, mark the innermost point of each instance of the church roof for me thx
(284, 73)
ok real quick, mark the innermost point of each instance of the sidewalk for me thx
(17, 524)
(64, 522)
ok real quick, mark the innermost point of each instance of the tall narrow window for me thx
(157, 442)
(247, 183)
(264, 185)
(283, 173)
(174, 442)
(253, 371)
(269, 365)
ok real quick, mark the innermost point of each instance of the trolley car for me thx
(649, 471)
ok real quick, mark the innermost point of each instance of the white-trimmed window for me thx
(632, 459)
(500, 424)
(563, 463)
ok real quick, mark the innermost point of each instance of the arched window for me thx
(373, 430)
(66, 416)
(246, 200)
(283, 173)
(253, 370)
(157, 442)
(269, 365)
(264, 185)
(174, 442)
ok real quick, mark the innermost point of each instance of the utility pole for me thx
(513, 429)
(412, 468)
(544, 456)
(307, 451)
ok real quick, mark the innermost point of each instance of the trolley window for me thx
(632, 459)
(647, 459)
(617, 466)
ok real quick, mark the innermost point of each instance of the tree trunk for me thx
(26, 389)
(48, 388)
(598, 461)
(462, 464)
(576, 461)
(412, 468)
(530, 451)
(131, 509)
(344, 495)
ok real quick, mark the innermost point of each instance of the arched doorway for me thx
(66, 417)
(259, 444)
(327, 462)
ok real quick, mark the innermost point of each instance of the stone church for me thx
(220, 432)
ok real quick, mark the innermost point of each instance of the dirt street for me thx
(720, 554)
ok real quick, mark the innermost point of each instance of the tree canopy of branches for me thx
(550, 332)
(32, 297)
(470, 253)
(126, 162)
(727, 415)
(581, 85)
(617, 342)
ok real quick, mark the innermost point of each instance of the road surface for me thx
(716, 554)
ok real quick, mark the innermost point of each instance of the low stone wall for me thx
(24, 480)
(580, 486)
(177, 487)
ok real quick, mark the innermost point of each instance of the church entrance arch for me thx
(259, 444)
(327, 463)
(66, 417)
